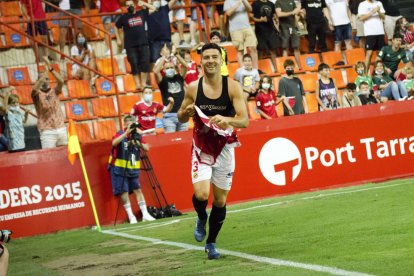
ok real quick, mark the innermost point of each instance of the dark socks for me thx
(200, 207)
(217, 216)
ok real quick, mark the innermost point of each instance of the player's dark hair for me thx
(209, 46)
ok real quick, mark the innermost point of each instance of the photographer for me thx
(4, 253)
(124, 167)
(83, 53)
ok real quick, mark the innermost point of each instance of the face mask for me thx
(265, 85)
(148, 98)
(81, 40)
(379, 72)
(289, 72)
(364, 92)
(131, 9)
(14, 108)
(45, 86)
(360, 72)
(170, 72)
(156, 4)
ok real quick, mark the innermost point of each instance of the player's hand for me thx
(221, 121)
(171, 100)
(189, 110)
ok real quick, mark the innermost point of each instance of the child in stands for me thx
(266, 100)
(14, 121)
(326, 90)
(409, 82)
(363, 75)
(147, 110)
(192, 68)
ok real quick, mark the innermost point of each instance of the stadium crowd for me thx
(257, 29)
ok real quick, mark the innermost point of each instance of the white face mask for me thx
(156, 4)
(170, 72)
(364, 92)
(265, 85)
(148, 98)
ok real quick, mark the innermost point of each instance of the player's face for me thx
(211, 61)
(247, 63)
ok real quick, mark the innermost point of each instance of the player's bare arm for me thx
(241, 120)
(187, 107)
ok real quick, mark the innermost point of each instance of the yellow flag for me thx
(73, 143)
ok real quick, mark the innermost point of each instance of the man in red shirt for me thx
(147, 110)
(36, 12)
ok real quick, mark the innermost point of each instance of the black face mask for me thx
(131, 9)
(289, 72)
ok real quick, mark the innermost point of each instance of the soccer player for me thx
(221, 99)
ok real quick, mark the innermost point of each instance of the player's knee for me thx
(220, 203)
(201, 195)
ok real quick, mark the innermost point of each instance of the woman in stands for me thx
(385, 84)
(403, 27)
(84, 54)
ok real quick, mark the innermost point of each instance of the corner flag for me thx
(73, 143)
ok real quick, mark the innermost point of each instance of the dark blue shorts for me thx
(342, 33)
(122, 184)
(139, 59)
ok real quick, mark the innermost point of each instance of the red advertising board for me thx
(41, 192)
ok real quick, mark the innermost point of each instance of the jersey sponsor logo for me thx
(135, 21)
(211, 107)
(280, 161)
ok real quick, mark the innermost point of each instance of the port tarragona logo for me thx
(280, 161)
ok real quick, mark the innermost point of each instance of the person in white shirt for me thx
(341, 19)
(371, 12)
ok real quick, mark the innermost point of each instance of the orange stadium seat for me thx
(104, 66)
(51, 76)
(309, 81)
(127, 65)
(104, 87)
(196, 57)
(129, 83)
(266, 66)
(153, 81)
(18, 76)
(77, 110)
(252, 109)
(332, 58)
(231, 53)
(279, 64)
(310, 62)
(337, 76)
(232, 68)
(10, 8)
(127, 102)
(79, 89)
(84, 132)
(103, 107)
(354, 55)
(25, 93)
(15, 39)
(351, 75)
(276, 84)
(157, 97)
(104, 130)
(312, 102)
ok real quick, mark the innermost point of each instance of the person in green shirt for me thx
(409, 81)
(392, 55)
(385, 84)
(363, 76)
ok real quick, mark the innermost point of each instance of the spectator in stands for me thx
(40, 27)
(363, 75)
(83, 53)
(317, 17)
(172, 85)
(402, 27)
(215, 38)
(159, 30)
(349, 99)
(192, 67)
(386, 85)
(180, 16)
(221, 23)
(367, 96)
(248, 77)
(392, 14)
(146, 110)
(292, 89)
(50, 118)
(409, 81)
(3, 138)
(371, 12)
(124, 168)
(265, 28)
(241, 32)
(357, 23)
(108, 20)
(193, 22)
(286, 11)
(392, 55)
(341, 19)
(326, 90)
(135, 40)
(166, 56)
(266, 100)
(73, 7)
(14, 121)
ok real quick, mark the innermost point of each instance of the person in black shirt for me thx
(317, 17)
(135, 40)
(366, 96)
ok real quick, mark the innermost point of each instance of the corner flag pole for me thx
(73, 149)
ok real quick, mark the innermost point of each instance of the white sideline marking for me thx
(156, 224)
(272, 261)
